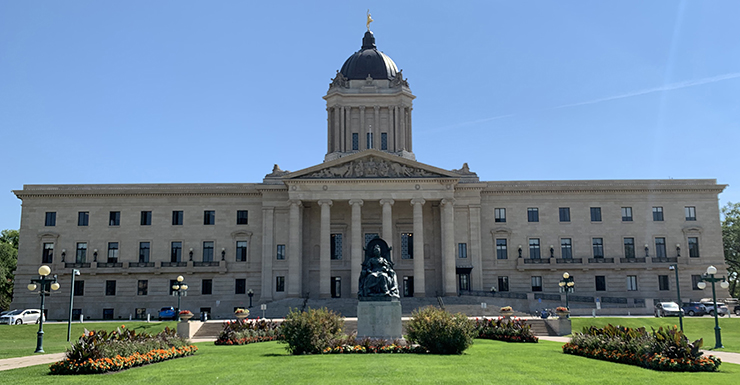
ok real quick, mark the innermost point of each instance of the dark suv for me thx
(694, 308)
(736, 310)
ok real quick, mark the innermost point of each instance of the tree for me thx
(731, 242)
(8, 262)
(9, 236)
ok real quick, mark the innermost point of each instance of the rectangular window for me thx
(114, 218)
(47, 255)
(598, 246)
(142, 288)
(173, 282)
(178, 218)
(533, 214)
(690, 212)
(499, 215)
(536, 283)
(462, 250)
(144, 250)
(503, 283)
(693, 247)
(631, 283)
(595, 214)
(336, 246)
(206, 287)
(81, 252)
(695, 279)
(279, 283)
(629, 247)
(600, 283)
(241, 251)
(79, 288)
(384, 141)
(240, 286)
(112, 252)
(626, 214)
(83, 218)
(208, 251)
(501, 249)
(660, 251)
(146, 218)
(140, 313)
(176, 252)
(108, 314)
(407, 246)
(564, 214)
(355, 141)
(242, 217)
(280, 253)
(534, 248)
(369, 237)
(663, 283)
(369, 140)
(209, 217)
(658, 214)
(110, 287)
(566, 248)
(51, 218)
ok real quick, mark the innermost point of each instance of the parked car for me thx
(736, 310)
(665, 309)
(167, 313)
(6, 312)
(722, 308)
(694, 308)
(18, 317)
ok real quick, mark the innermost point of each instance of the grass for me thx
(695, 328)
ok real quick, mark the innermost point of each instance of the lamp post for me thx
(179, 289)
(43, 282)
(709, 277)
(250, 293)
(75, 272)
(674, 267)
(567, 285)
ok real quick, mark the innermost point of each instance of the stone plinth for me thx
(560, 326)
(379, 319)
(188, 329)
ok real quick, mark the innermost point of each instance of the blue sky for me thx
(183, 91)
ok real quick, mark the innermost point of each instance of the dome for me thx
(369, 61)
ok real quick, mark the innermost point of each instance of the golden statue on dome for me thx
(369, 20)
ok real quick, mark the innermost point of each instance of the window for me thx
(566, 248)
(79, 288)
(51, 218)
(336, 246)
(690, 212)
(355, 141)
(598, 246)
(114, 218)
(503, 283)
(533, 214)
(499, 215)
(177, 218)
(695, 279)
(83, 218)
(463, 282)
(209, 217)
(208, 251)
(242, 217)
(173, 282)
(370, 236)
(240, 286)
(206, 287)
(462, 250)
(112, 252)
(279, 283)
(144, 249)
(280, 252)
(629, 247)
(176, 252)
(146, 218)
(600, 283)
(663, 283)
(658, 214)
(110, 287)
(534, 248)
(140, 313)
(47, 256)
(536, 283)
(407, 246)
(369, 140)
(660, 248)
(693, 247)
(107, 313)
(501, 249)
(383, 141)
(142, 288)
(564, 214)
(241, 251)
(631, 283)
(626, 214)
(81, 252)
(595, 214)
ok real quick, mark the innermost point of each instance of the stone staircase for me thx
(209, 330)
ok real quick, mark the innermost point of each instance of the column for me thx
(325, 250)
(328, 129)
(337, 121)
(268, 219)
(361, 129)
(419, 273)
(448, 247)
(387, 233)
(342, 129)
(474, 251)
(407, 143)
(357, 244)
(378, 128)
(295, 275)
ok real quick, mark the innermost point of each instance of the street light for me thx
(567, 285)
(674, 267)
(75, 272)
(43, 282)
(709, 277)
(250, 293)
(179, 289)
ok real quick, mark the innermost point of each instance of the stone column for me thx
(378, 128)
(328, 129)
(268, 219)
(325, 250)
(407, 144)
(335, 136)
(295, 275)
(387, 233)
(357, 244)
(448, 247)
(474, 251)
(419, 274)
(361, 129)
(343, 130)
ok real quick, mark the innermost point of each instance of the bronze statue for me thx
(378, 280)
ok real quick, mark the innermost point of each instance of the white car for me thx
(723, 310)
(18, 317)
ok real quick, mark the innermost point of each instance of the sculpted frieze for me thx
(372, 167)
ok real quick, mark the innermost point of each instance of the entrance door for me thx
(336, 287)
(408, 286)
(463, 281)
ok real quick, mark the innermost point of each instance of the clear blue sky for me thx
(183, 91)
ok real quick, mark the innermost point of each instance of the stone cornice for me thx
(102, 190)
(605, 186)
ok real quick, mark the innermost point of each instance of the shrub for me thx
(312, 331)
(440, 332)
(515, 330)
(248, 331)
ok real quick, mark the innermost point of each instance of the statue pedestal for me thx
(379, 319)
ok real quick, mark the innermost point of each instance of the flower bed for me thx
(501, 329)
(377, 349)
(662, 349)
(102, 365)
(244, 332)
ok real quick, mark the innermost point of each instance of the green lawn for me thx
(20, 340)
(695, 328)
